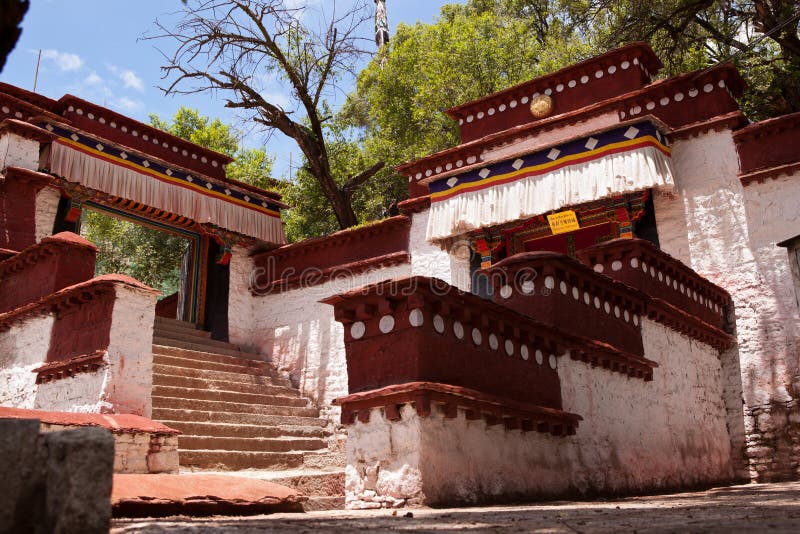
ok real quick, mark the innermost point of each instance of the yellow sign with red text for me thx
(563, 222)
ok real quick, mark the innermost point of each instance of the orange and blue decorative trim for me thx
(124, 158)
(625, 139)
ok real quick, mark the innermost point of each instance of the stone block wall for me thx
(635, 437)
(728, 232)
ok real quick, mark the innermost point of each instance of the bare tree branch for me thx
(236, 46)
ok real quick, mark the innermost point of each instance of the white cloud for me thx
(127, 105)
(128, 78)
(63, 60)
(93, 79)
(131, 81)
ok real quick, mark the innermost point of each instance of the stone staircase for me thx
(234, 412)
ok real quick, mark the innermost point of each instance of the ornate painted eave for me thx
(133, 134)
(572, 87)
(675, 102)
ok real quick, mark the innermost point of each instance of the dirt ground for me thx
(751, 508)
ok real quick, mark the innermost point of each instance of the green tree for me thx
(154, 257)
(761, 37)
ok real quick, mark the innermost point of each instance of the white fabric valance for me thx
(459, 206)
(122, 180)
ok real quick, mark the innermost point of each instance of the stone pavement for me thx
(751, 508)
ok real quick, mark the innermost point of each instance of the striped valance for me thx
(117, 171)
(623, 160)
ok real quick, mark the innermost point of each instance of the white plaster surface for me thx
(636, 436)
(728, 233)
(430, 260)
(240, 300)
(130, 352)
(81, 393)
(23, 348)
(16, 151)
(301, 336)
(46, 210)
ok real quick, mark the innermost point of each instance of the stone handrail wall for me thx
(57, 262)
(420, 329)
(639, 264)
(557, 290)
(82, 315)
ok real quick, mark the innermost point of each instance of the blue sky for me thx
(93, 49)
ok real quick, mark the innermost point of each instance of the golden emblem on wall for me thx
(541, 106)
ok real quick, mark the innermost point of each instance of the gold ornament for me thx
(541, 106)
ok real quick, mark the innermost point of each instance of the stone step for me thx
(232, 407)
(282, 444)
(175, 380)
(233, 418)
(171, 338)
(325, 460)
(197, 347)
(293, 399)
(323, 504)
(175, 360)
(167, 322)
(170, 331)
(248, 360)
(220, 376)
(232, 461)
(190, 428)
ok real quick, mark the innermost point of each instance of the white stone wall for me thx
(636, 436)
(138, 452)
(23, 348)
(16, 151)
(46, 210)
(430, 260)
(727, 232)
(81, 393)
(240, 300)
(301, 337)
(130, 352)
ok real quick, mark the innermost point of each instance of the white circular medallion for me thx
(539, 357)
(616, 265)
(509, 347)
(635, 263)
(386, 324)
(438, 323)
(549, 282)
(458, 330)
(599, 268)
(505, 291)
(575, 293)
(563, 287)
(552, 361)
(493, 344)
(527, 287)
(357, 330)
(523, 350)
(416, 317)
(476, 336)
